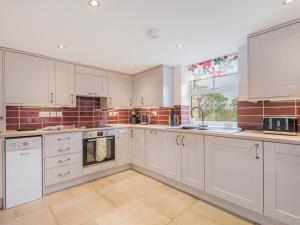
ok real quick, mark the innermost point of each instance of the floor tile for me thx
(123, 192)
(30, 207)
(39, 217)
(191, 218)
(80, 208)
(121, 176)
(93, 185)
(217, 215)
(134, 213)
(90, 222)
(57, 197)
(147, 181)
(168, 201)
(7, 214)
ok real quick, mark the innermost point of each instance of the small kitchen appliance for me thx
(133, 117)
(173, 118)
(280, 125)
(144, 119)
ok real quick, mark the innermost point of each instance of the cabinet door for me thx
(88, 85)
(153, 80)
(154, 151)
(138, 147)
(28, 80)
(123, 153)
(138, 90)
(234, 171)
(1, 167)
(243, 74)
(193, 160)
(282, 182)
(274, 63)
(172, 156)
(126, 91)
(64, 84)
(1, 86)
(114, 90)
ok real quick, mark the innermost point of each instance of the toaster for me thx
(280, 125)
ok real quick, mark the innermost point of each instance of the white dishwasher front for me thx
(23, 170)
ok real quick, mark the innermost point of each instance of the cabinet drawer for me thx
(63, 173)
(63, 160)
(61, 144)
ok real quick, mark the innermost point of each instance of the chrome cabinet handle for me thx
(177, 139)
(256, 151)
(52, 97)
(62, 139)
(110, 101)
(63, 149)
(24, 153)
(131, 133)
(90, 93)
(130, 101)
(72, 98)
(182, 139)
(64, 174)
(65, 160)
(142, 101)
(118, 132)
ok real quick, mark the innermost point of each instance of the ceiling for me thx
(114, 35)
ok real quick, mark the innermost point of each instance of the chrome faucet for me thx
(201, 112)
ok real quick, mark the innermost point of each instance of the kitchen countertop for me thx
(249, 135)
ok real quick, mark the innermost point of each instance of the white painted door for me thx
(29, 80)
(138, 90)
(172, 155)
(88, 85)
(282, 182)
(154, 150)
(274, 63)
(234, 171)
(65, 84)
(126, 98)
(1, 167)
(193, 160)
(114, 90)
(123, 153)
(138, 147)
(1, 88)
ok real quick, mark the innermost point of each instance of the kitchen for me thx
(148, 120)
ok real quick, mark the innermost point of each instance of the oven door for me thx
(90, 150)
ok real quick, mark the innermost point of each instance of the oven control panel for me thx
(99, 133)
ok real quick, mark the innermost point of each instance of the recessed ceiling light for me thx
(285, 2)
(94, 3)
(61, 46)
(178, 45)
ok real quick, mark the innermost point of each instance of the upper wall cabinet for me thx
(243, 74)
(1, 85)
(274, 68)
(29, 80)
(114, 94)
(64, 84)
(126, 98)
(90, 82)
(154, 87)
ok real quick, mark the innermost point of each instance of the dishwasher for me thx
(23, 170)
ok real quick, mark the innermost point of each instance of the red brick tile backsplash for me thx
(250, 115)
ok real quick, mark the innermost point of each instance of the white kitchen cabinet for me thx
(65, 84)
(234, 171)
(282, 182)
(123, 147)
(29, 80)
(154, 151)
(1, 167)
(114, 87)
(193, 160)
(243, 74)
(138, 147)
(154, 87)
(1, 88)
(126, 99)
(90, 82)
(172, 155)
(274, 62)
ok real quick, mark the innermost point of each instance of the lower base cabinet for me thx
(123, 150)
(282, 182)
(234, 171)
(137, 139)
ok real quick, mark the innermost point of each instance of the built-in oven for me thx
(98, 147)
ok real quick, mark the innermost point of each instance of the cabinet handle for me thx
(64, 174)
(72, 98)
(96, 94)
(182, 143)
(142, 101)
(65, 160)
(131, 133)
(52, 97)
(256, 150)
(118, 132)
(62, 139)
(177, 139)
(25, 153)
(90, 93)
(63, 149)
(110, 101)
(130, 101)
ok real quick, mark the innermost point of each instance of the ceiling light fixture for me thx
(94, 3)
(61, 46)
(286, 2)
(178, 45)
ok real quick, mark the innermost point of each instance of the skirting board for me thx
(245, 213)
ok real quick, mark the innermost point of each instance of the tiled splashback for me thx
(250, 115)
(87, 113)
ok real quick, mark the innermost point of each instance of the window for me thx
(215, 99)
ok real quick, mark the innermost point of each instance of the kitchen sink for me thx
(209, 129)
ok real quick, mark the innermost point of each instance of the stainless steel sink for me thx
(209, 129)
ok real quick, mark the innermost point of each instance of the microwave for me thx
(280, 125)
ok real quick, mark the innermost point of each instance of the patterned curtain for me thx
(216, 67)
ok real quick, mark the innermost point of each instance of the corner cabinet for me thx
(126, 98)
(154, 87)
(114, 86)
(234, 171)
(274, 69)
(282, 182)
(137, 139)
(123, 147)
(1, 90)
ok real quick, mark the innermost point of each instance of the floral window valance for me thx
(216, 67)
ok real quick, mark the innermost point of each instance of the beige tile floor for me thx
(126, 198)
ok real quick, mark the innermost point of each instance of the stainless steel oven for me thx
(91, 145)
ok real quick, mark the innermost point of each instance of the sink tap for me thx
(201, 112)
